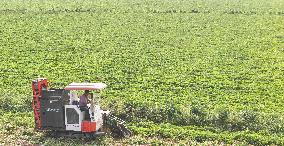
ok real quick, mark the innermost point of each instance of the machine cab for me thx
(90, 119)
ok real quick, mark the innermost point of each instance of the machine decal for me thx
(52, 110)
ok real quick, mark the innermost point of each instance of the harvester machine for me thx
(62, 111)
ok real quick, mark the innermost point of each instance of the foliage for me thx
(208, 71)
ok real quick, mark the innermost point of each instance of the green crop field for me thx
(188, 72)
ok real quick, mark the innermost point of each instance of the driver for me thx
(83, 102)
(84, 99)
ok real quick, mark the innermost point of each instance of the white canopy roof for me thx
(85, 86)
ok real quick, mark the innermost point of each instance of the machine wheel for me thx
(125, 131)
(115, 126)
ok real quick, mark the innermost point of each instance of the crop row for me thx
(163, 61)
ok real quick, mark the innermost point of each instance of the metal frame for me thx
(37, 86)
